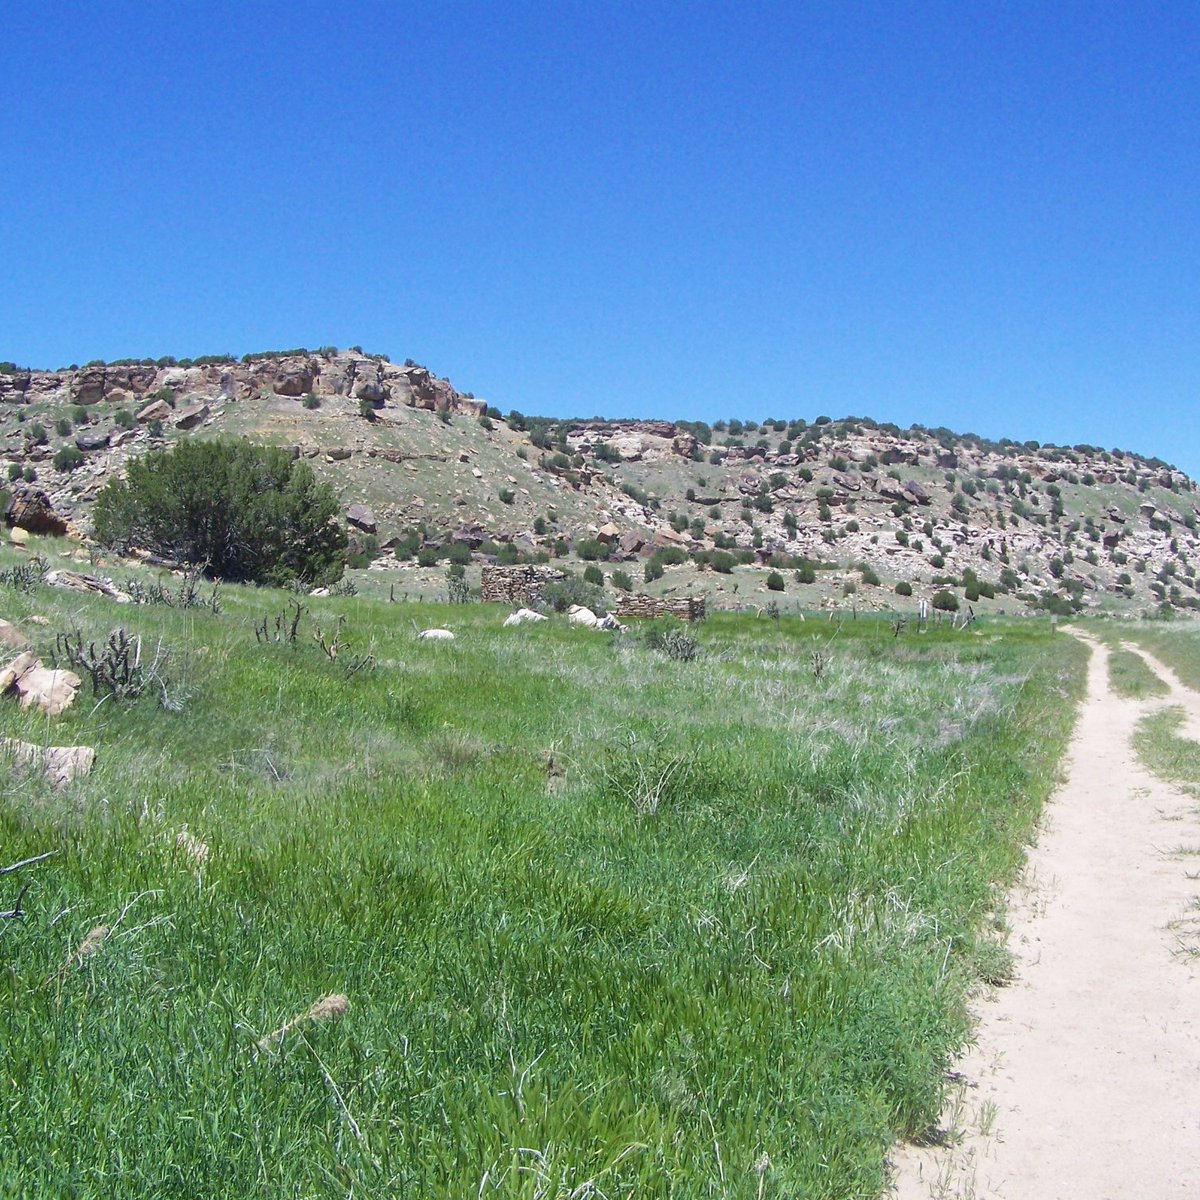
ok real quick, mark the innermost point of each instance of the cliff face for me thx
(362, 377)
(407, 452)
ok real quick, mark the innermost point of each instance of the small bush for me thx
(592, 574)
(63, 427)
(124, 418)
(904, 588)
(312, 400)
(945, 601)
(775, 582)
(621, 581)
(669, 637)
(562, 594)
(507, 496)
(68, 458)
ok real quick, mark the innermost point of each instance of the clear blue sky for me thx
(985, 216)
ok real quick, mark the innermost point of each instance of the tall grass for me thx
(597, 922)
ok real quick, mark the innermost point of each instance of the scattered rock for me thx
(16, 668)
(190, 417)
(361, 516)
(77, 581)
(60, 763)
(156, 410)
(18, 536)
(30, 508)
(52, 691)
(92, 439)
(521, 617)
(10, 635)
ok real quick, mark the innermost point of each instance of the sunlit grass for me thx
(605, 923)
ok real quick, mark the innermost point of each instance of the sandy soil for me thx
(1084, 1081)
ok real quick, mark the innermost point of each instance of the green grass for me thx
(1131, 676)
(609, 924)
(1176, 643)
(1162, 749)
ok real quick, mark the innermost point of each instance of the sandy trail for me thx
(1084, 1081)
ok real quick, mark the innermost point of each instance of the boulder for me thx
(60, 763)
(156, 410)
(522, 616)
(92, 439)
(190, 417)
(578, 615)
(18, 536)
(52, 691)
(608, 533)
(916, 491)
(16, 668)
(79, 582)
(30, 508)
(87, 387)
(361, 516)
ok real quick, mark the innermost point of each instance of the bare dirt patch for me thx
(1084, 1080)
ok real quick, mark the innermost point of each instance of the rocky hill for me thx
(830, 505)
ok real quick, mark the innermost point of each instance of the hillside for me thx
(831, 505)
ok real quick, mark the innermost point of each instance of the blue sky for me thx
(985, 216)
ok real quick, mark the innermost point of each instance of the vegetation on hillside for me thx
(244, 512)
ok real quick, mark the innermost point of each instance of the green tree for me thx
(249, 512)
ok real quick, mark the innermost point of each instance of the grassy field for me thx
(607, 923)
(1175, 643)
(1130, 675)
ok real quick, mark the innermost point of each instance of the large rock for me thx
(60, 763)
(361, 516)
(291, 376)
(50, 690)
(30, 508)
(87, 387)
(92, 439)
(190, 417)
(156, 410)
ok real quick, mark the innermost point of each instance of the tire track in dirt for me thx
(1084, 1079)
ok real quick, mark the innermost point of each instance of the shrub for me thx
(36, 433)
(775, 582)
(366, 410)
(428, 556)
(806, 574)
(946, 601)
(593, 575)
(561, 594)
(248, 512)
(312, 400)
(362, 551)
(590, 549)
(507, 496)
(63, 427)
(903, 588)
(124, 418)
(670, 638)
(653, 570)
(68, 458)
(15, 471)
(868, 574)
(621, 581)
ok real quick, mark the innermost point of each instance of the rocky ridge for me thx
(408, 451)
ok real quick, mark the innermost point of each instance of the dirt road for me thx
(1084, 1083)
